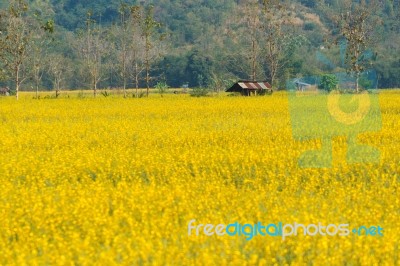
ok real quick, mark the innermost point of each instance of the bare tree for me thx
(93, 49)
(245, 32)
(40, 44)
(122, 42)
(129, 41)
(37, 67)
(15, 42)
(265, 41)
(253, 26)
(277, 40)
(137, 66)
(58, 70)
(151, 39)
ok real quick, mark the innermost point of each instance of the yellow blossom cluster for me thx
(113, 181)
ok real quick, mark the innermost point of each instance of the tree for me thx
(328, 82)
(278, 40)
(41, 41)
(218, 83)
(150, 34)
(173, 68)
(199, 69)
(136, 47)
(15, 42)
(93, 49)
(242, 48)
(252, 21)
(123, 34)
(58, 69)
(356, 26)
(162, 87)
(265, 42)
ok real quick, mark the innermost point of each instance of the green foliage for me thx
(206, 41)
(265, 92)
(162, 87)
(365, 83)
(105, 93)
(199, 69)
(48, 26)
(309, 26)
(328, 82)
(218, 84)
(81, 95)
(12, 92)
(358, 28)
(141, 94)
(199, 92)
(173, 68)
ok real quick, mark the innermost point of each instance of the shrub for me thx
(309, 26)
(328, 82)
(105, 93)
(265, 92)
(162, 87)
(199, 92)
(81, 95)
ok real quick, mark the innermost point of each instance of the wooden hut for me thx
(248, 88)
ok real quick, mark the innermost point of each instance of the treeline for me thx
(65, 44)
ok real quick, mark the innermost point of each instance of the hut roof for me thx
(249, 85)
(299, 83)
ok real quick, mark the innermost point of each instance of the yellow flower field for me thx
(113, 181)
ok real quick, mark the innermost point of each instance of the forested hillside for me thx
(208, 43)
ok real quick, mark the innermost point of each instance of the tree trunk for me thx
(253, 75)
(124, 87)
(37, 89)
(272, 81)
(94, 88)
(273, 73)
(356, 66)
(57, 82)
(124, 70)
(147, 60)
(55, 86)
(147, 82)
(136, 80)
(17, 82)
(357, 79)
(147, 72)
(137, 87)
